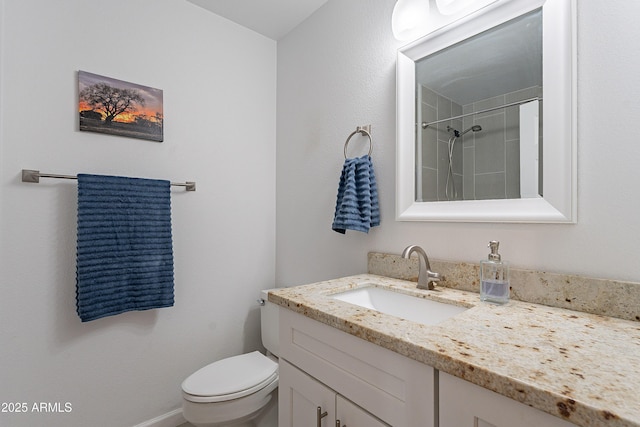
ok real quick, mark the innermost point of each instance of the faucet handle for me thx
(435, 277)
(429, 281)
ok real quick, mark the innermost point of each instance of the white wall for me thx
(219, 131)
(337, 71)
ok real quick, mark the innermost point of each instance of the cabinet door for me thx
(398, 390)
(299, 396)
(350, 415)
(463, 404)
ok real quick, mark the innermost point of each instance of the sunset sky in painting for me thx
(152, 96)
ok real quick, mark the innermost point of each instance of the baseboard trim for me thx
(170, 419)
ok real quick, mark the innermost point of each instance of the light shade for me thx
(409, 19)
(413, 19)
(451, 7)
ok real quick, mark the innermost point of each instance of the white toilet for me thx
(239, 391)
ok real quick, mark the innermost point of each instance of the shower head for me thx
(475, 128)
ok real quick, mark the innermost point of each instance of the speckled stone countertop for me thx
(581, 367)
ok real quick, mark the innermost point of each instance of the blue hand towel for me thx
(357, 203)
(124, 251)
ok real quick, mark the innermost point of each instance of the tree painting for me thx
(119, 108)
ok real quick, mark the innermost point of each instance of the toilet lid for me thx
(231, 378)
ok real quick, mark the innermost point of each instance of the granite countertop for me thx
(581, 367)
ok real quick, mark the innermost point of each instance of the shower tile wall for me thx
(491, 158)
(435, 148)
(486, 164)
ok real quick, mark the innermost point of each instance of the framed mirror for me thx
(486, 117)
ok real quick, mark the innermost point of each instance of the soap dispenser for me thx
(494, 277)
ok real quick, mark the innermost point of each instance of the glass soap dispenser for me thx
(494, 277)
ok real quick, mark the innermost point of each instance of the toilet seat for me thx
(230, 378)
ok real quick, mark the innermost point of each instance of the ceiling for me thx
(501, 60)
(271, 18)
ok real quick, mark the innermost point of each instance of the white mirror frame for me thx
(559, 204)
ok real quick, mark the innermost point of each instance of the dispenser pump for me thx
(494, 255)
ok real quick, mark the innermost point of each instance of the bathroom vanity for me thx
(519, 364)
(323, 370)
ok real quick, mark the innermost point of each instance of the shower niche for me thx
(478, 108)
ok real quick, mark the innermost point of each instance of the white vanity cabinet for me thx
(348, 414)
(463, 404)
(354, 381)
(311, 403)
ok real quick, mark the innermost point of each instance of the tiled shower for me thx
(486, 163)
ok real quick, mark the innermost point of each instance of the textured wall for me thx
(337, 71)
(122, 370)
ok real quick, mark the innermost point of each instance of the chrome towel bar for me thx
(29, 175)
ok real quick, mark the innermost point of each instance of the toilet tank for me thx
(269, 324)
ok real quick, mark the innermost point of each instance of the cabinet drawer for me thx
(396, 389)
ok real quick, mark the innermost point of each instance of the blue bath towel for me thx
(357, 203)
(124, 251)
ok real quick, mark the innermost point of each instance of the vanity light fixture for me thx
(412, 19)
(409, 19)
(451, 7)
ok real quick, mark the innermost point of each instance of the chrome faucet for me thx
(426, 277)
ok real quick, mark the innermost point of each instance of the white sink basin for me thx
(425, 311)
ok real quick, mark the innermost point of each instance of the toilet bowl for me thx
(239, 391)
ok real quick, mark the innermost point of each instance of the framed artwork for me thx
(116, 107)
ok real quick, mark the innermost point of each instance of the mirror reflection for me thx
(479, 116)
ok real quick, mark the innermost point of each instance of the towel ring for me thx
(363, 132)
